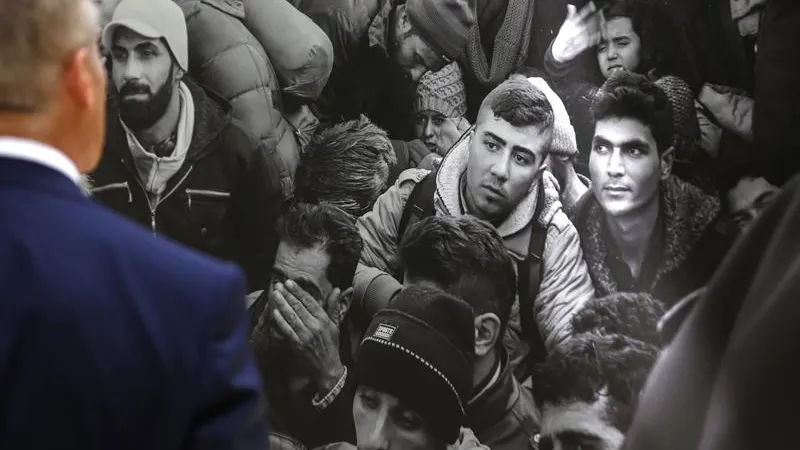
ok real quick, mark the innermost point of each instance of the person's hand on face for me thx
(451, 131)
(580, 31)
(308, 331)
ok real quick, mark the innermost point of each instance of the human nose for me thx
(377, 439)
(615, 166)
(501, 167)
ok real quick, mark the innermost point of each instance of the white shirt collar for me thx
(39, 153)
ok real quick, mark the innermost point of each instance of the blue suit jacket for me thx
(111, 338)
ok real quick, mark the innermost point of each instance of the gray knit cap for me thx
(443, 92)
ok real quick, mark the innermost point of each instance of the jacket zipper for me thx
(154, 208)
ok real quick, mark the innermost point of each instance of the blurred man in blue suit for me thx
(109, 338)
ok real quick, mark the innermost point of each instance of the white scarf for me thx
(154, 172)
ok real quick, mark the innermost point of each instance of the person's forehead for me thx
(619, 26)
(578, 417)
(531, 136)
(429, 113)
(621, 130)
(294, 261)
(747, 191)
(127, 38)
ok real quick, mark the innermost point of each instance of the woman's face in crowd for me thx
(748, 199)
(504, 161)
(428, 127)
(383, 422)
(621, 49)
(625, 166)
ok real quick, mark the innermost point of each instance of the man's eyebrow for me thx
(503, 142)
(578, 436)
(625, 145)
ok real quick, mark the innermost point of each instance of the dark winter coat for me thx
(504, 417)
(691, 246)
(223, 201)
(364, 79)
(729, 378)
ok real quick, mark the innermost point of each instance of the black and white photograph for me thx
(399, 224)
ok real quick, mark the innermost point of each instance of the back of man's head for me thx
(465, 257)
(346, 165)
(633, 314)
(519, 103)
(37, 36)
(308, 226)
(52, 82)
(627, 95)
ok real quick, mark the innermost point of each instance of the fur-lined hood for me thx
(688, 212)
(448, 192)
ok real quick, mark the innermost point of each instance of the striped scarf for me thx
(510, 44)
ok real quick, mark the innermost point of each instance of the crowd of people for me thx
(472, 224)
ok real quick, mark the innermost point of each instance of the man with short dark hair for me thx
(495, 173)
(466, 257)
(587, 390)
(747, 198)
(176, 160)
(300, 342)
(346, 165)
(641, 228)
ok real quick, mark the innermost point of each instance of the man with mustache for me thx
(301, 335)
(496, 173)
(175, 159)
(642, 229)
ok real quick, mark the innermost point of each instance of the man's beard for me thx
(140, 115)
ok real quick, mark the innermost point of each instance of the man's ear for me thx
(487, 333)
(667, 158)
(343, 303)
(179, 73)
(78, 78)
(403, 24)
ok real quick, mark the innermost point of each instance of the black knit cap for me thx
(420, 350)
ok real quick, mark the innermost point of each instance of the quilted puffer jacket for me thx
(225, 57)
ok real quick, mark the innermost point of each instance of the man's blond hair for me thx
(35, 37)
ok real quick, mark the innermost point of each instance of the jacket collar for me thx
(493, 404)
(514, 230)
(687, 213)
(380, 29)
(212, 114)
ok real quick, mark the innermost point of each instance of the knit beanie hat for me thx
(564, 142)
(442, 24)
(443, 92)
(152, 19)
(684, 114)
(420, 350)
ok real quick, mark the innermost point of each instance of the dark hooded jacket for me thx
(364, 79)
(223, 201)
(729, 378)
(687, 247)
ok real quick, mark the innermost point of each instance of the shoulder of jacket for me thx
(411, 177)
(560, 222)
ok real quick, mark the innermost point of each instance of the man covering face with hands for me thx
(299, 332)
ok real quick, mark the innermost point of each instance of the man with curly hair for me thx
(587, 390)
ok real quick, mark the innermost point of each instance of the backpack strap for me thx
(419, 204)
(530, 278)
